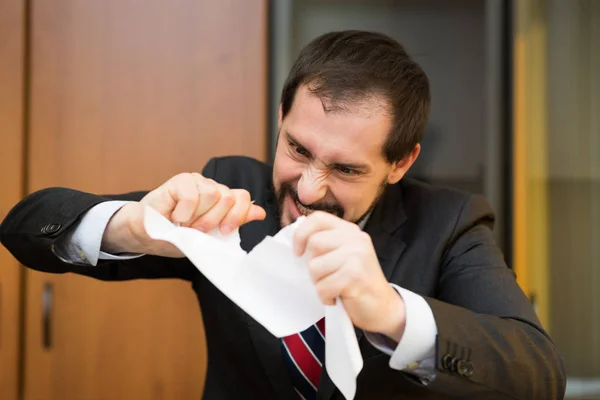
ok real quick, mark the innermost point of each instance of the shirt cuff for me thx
(415, 353)
(82, 244)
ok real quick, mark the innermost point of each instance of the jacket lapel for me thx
(383, 227)
(268, 348)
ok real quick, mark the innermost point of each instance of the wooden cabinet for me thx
(11, 185)
(123, 94)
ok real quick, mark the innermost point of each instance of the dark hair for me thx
(345, 68)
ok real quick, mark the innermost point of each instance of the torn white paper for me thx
(272, 285)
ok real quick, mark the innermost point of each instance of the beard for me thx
(331, 207)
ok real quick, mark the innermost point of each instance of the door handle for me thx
(47, 305)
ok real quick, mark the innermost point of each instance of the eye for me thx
(347, 170)
(301, 151)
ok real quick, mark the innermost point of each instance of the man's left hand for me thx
(343, 264)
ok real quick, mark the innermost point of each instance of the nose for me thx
(312, 186)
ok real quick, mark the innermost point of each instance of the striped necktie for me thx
(304, 356)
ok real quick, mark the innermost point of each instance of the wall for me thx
(574, 181)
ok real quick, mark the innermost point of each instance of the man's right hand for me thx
(188, 199)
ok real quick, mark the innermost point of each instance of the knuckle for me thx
(173, 182)
(313, 267)
(312, 218)
(181, 175)
(228, 198)
(313, 242)
(322, 291)
(184, 177)
(204, 224)
(242, 194)
(320, 215)
(364, 237)
(212, 193)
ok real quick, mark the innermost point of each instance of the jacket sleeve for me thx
(490, 342)
(32, 227)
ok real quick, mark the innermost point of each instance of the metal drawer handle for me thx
(47, 304)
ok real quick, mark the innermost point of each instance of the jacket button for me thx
(454, 364)
(50, 229)
(447, 361)
(464, 368)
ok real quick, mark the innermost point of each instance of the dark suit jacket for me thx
(435, 242)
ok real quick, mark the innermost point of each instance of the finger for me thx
(209, 195)
(332, 286)
(213, 217)
(236, 216)
(256, 213)
(183, 191)
(317, 221)
(325, 265)
(325, 241)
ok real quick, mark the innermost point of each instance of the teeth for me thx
(303, 210)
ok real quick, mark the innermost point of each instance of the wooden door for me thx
(125, 94)
(12, 46)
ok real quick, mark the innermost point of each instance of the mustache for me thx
(328, 207)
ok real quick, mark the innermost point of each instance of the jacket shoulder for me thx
(432, 195)
(240, 172)
(443, 205)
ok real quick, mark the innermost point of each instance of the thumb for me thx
(256, 213)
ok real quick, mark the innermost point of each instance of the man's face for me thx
(331, 161)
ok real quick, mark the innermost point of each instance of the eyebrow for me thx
(355, 166)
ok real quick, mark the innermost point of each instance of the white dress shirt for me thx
(414, 354)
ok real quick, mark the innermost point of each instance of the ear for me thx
(402, 166)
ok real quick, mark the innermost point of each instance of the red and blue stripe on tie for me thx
(304, 356)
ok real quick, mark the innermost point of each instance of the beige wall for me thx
(574, 181)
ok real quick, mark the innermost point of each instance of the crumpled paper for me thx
(272, 285)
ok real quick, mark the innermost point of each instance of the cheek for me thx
(355, 198)
(348, 195)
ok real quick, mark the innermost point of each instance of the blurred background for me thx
(110, 96)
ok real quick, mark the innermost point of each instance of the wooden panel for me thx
(125, 94)
(11, 184)
(530, 149)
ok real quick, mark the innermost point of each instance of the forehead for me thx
(355, 132)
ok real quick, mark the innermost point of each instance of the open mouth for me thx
(288, 200)
(302, 209)
(297, 208)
